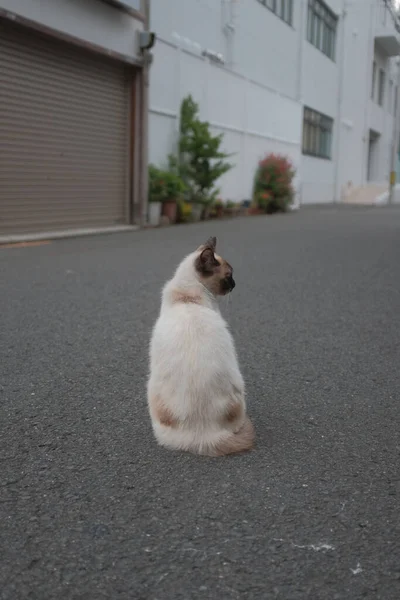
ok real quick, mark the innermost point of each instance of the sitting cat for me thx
(196, 393)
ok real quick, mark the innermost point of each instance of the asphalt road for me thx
(91, 508)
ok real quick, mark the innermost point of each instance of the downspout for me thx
(299, 80)
(179, 99)
(229, 20)
(371, 48)
(395, 141)
(144, 117)
(337, 194)
(299, 88)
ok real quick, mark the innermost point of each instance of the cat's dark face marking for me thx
(214, 272)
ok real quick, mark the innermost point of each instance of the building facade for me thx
(71, 101)
(314, 80)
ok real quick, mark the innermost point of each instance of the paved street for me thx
(92, 509)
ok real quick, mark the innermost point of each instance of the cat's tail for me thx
(231, 443)
(214, 442)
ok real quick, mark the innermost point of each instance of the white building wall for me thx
(256, 99)
(320, 83)
(251, 99)
(357, 77)
(360, 113)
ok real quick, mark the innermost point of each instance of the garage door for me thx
(64, 136)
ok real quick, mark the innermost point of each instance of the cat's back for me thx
(188, 320)
(188, 330)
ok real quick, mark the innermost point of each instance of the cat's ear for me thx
(206, 262)
(211, 243)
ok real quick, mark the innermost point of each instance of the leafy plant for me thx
(201, 162)
(184, 211)
(273, 190)
(164, 185)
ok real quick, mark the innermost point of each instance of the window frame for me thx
(317, 134)
(322, 28)
(283, 9)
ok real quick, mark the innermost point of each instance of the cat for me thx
(195, 391)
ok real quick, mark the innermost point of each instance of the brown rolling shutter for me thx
(64, 135)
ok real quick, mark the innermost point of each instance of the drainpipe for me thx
(144, 117)
(299, 91)
(337, 194)
(395, 142)
(179, 98)
(371, 41)
(229, 16)
(301, 37)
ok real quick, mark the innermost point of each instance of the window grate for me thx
(281, 8)
(321, 27)
(317, 134)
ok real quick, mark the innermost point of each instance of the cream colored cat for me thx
(196, 392)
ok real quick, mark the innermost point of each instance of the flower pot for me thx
(154, 213)
(169, 209)
(184, 212)
(197, 209)
(220, 212)
(206, 212)
(254, 210)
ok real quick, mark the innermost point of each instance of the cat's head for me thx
(212, 270)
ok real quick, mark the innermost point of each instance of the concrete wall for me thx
(257, 98)
(90, 20)
(355, 114)
(252, 99)
(320, 82)
(360, 113)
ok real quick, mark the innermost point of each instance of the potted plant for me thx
(174, 188)
(229, 206)
(165, 190)
(237, 209)
(184, 212)
(219, 209)
(254, 209)
(156, 193)
(273, 190)
(201, 162)
(197, 204)
(245, 207)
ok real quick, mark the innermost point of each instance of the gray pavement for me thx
(91, 508)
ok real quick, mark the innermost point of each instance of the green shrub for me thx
(201, 162)
(273, 190)
(164, 185)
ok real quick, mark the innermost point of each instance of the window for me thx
(381, 87)
(321, 27)
(282, 8)
(373, 80)
(317, 134)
